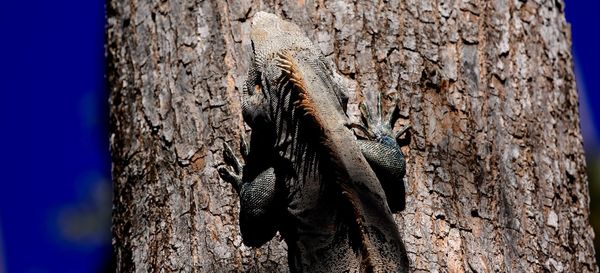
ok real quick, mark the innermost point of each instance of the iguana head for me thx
(271, 35)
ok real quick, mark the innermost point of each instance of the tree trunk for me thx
(496, 174)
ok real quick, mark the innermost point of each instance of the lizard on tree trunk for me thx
(306, 175)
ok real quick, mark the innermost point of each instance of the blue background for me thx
(55, 181)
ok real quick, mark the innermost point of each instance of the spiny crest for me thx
(301, 121)
(305, 106)
(303, 102)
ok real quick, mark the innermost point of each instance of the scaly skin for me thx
(306, 174)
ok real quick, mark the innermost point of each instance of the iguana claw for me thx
(234, 177)
(377, 125)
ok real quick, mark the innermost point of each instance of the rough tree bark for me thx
(496, 174)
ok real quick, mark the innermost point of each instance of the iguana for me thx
(329, 194)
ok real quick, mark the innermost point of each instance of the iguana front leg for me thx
(254, 182)
(257, 198)
(383, 153)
